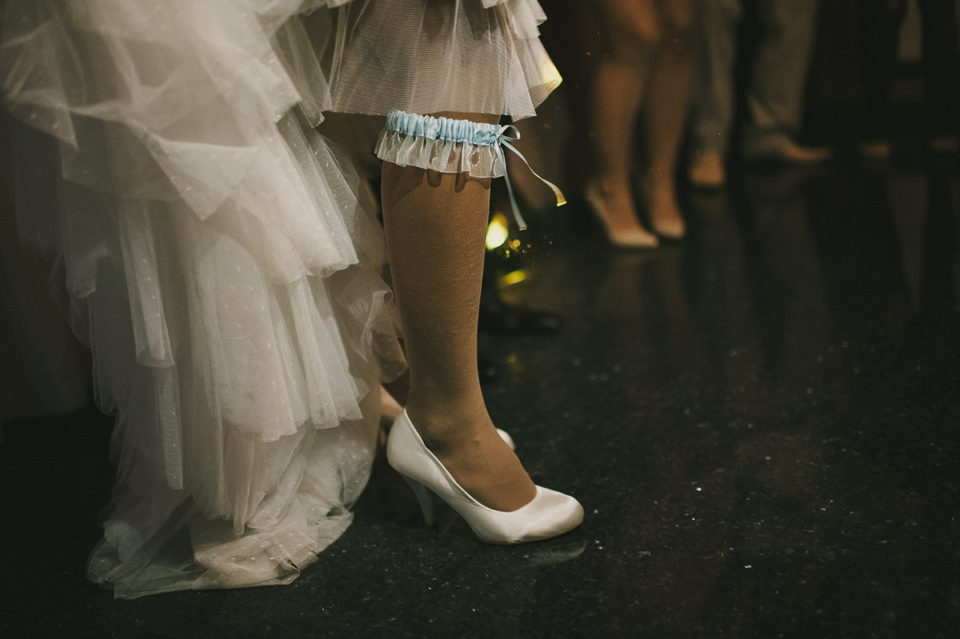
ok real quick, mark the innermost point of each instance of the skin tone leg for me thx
(435, 227)
(668, 98)
(616, 96)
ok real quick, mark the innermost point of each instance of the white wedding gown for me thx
(219, 256)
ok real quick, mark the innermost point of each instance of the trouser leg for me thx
(879, 27)
(715, 35)
(940, 65)
(775, 98)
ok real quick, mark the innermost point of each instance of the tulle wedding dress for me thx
(219, 256)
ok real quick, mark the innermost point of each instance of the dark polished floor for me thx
(762, 423)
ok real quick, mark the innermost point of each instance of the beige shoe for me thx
(707, 170)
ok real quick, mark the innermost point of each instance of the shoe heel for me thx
(424, 498)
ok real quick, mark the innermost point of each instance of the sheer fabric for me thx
(441, 144)
(428, 56)
(218, 257)
(217, 254)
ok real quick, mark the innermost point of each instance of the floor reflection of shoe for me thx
(548, 515)
(546, 556)
(633, 239)
(787, 151)
(875, 149)
(497, 316)
(707, 170)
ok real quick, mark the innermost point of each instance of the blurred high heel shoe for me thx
(662, 212)
(548, 515)
(630, 239)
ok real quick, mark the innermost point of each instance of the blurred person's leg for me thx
(940, 68)
(541, 141)
(715, 45)
(668, 101)
(619, 84)
(775, 97)
(879, 30)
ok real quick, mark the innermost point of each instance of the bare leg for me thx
(435, 225)
(666, 114)
(615, 100)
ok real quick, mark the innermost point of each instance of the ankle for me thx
(443, 425)
(663, 201)
(608, 184)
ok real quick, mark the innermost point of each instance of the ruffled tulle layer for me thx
(219, 256)
(426, 57)
(221, 261)
(445, 156)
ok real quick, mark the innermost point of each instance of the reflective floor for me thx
(763, 424)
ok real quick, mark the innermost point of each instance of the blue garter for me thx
(475, 133)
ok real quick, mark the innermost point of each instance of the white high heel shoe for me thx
(549, 514)
(507, 439)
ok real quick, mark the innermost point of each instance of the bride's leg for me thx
(435, 225)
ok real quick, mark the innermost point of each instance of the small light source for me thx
(513, 277)
(498, 231)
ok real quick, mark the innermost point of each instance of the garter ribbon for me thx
(504, 141)
(477, 134)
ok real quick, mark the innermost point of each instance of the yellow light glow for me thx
(513, 277)
(498, 231)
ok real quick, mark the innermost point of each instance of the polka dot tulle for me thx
(221, 258)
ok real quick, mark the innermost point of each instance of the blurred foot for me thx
(875, 149)
(707, 170)
(942, 144)
(612, 205)
(665, 217)
(786, 151)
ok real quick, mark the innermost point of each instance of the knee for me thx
(634, 34)
(635, 43)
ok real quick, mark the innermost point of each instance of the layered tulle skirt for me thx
(426, 56)
(222, 259)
